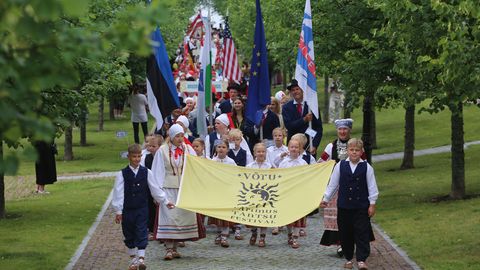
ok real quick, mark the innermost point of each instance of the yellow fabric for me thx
(264, 198)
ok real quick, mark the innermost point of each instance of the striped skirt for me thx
(176, 224)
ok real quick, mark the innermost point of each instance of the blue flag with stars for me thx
(259, 85)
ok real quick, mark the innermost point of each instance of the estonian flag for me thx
(161, 91)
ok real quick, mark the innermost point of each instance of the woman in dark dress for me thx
(45, 168)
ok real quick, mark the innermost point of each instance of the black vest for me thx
(353, 189)
(135, 188)
(149, 161)
(212, 137)
(307, 158)
(241, 157)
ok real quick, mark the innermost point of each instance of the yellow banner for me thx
(263, 198)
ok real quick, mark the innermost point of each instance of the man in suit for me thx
(268, 121)
(296, 117)
(226, 105)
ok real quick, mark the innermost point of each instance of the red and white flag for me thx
(231, 69)
(196, 23)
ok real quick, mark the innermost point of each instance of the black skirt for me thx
(45, 168)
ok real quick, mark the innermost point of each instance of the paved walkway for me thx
(103, 248)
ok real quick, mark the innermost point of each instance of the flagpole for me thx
(310, 139)
(210, 116)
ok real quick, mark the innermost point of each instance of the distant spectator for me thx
(45, 167)
(138, 104)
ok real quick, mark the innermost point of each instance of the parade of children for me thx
(172, 226)
(314, 135)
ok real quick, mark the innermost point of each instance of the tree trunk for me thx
(83, 127)
(409, 143)
(101, 109)
(285, 79)
(458, 155)
(112, 110)
(347, 112)
(373, 126)
(366, 136)
(326, 108)
(68, 150)
(2, 184)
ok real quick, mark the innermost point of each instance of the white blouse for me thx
(289, 162)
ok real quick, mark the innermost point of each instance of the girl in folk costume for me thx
(241, 158)
(336, 150)
(175, 225)
(292, 160)
(222, 124)
(223, 226)
(274, 152)
(305, 155)
(260, 151)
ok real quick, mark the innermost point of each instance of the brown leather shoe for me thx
(261, 242)
(362, 266)
(295, 243)
(275, 231)
(176, 254)
(224, 242)
(348, 265)
(168, 255)
(253, 239)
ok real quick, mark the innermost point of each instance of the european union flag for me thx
(259, 86)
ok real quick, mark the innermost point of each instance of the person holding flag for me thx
(300, 115)
(259, 88)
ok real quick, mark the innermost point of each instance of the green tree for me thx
(42, 42)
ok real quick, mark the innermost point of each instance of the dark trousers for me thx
(135, 131)
(152, 213)
(354, 228)
(135, 228)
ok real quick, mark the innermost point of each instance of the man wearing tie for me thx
(296, 117)
(226, 105)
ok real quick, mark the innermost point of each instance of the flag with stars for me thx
(259, 85)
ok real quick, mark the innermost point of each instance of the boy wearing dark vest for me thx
(357, 193)
(130, 202)
(236, 152)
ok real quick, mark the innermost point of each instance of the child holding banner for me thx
(241, 158)
(274, 151)
(130, 201)
(260, 152)
(357, 193)
(175, 225)
(294, 159)
(274, 154)
(221, 150)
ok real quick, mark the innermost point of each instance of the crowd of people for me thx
(146, 190)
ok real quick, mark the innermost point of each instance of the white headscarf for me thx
(184, 120)
(223, 118)
(174, 130)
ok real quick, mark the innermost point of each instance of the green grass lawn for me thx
(44, 231)
(436, 235)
